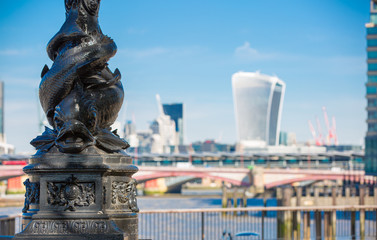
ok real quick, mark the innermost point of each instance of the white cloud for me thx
(136, 31)
(246, 52)
(19, 82)
(144, 53)
(14, 52)
(344, 65)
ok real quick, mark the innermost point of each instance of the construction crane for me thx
(335, 136)
(331, 136)
(320, 136)
(312, 130)
(331, 130)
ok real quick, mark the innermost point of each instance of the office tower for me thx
(2, 139)
(258, 101)
(371, 136)
(283, 139)
(175, 111)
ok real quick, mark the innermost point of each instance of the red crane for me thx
(312, 130)
(331, 131)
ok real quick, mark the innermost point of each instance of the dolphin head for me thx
(69, 122)
(81, 25)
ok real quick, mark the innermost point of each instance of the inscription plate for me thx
(69, 227)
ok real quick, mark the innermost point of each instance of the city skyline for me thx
(187, 52)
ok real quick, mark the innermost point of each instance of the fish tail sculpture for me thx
(80, 95)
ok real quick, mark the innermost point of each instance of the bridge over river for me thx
(258, 176)
(263, 177)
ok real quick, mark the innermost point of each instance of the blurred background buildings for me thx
(175, 112)
(5, 148)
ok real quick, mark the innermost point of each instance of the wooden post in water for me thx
(376, 220)
(202, 228)
(235, 198)
(263, 214)
(326, 216)
(244, 199)
(362, 211)
(307, 225)
(348, 192)
(353, 224)
(326, 225)
(288, 214)
(318, 224)
(284, 218)
(306, 218)
(224, 199)
(316, 196)
(294, 225)
(297, 215)
(229, 203)
(318, 217)
(334, 195)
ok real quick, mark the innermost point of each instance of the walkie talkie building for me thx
(258, 102)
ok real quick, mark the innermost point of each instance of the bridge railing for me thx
(357, 222)
(318, 165)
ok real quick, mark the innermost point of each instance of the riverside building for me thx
(175, 111)
(258, 102)
(371, 87)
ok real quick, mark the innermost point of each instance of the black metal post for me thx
(353, 224)
(80, 182)
(202, 216)
(318, 224)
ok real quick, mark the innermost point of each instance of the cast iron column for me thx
(80, 182)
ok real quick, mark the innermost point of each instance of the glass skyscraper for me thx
(175, 111)
(258, 101)
(2, 138)
(371, 85)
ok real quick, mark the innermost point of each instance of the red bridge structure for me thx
(262, 177)
(268, 178)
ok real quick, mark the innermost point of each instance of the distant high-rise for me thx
(175, 111)
(258, 101)
(2, 139)
(371, 137)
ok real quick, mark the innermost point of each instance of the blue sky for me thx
(187, 52)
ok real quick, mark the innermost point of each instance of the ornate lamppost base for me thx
(90, 195)
(80, 182)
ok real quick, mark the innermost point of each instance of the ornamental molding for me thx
(124, 193)
(71, 194)
(31, 194)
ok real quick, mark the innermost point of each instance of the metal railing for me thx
(10, 225)
(317, 165)
(351, 222)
